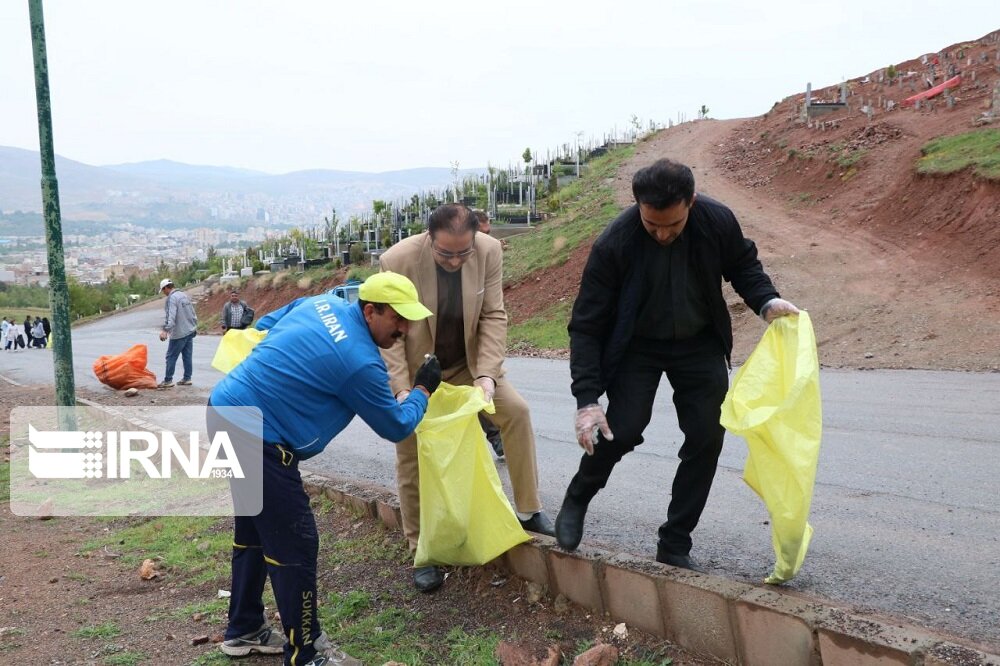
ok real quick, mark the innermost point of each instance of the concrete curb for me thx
(732, 621)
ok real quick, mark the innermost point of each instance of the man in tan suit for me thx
(458, 274)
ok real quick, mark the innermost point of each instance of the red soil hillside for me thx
(954, 219)
(897, 269)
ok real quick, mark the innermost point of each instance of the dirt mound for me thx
(860, 167)
(263, 293)
(898, 270)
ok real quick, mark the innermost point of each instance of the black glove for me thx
(428, 374)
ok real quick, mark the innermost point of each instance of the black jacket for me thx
(605, 310)
(226, 309)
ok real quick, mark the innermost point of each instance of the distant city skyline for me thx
(380, 86)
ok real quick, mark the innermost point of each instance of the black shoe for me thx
(674, 560)
(569, 523)
(428, 579)
(539, 524)
(497, 445)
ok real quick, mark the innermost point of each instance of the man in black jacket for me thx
(651, 302)
(232, 311)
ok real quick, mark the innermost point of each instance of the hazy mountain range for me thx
(162, 191)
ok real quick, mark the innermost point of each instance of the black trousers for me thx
(280, 543)
(696, 369)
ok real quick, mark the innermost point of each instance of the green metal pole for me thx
(62, 347)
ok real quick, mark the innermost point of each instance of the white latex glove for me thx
(777, 307)
(487, 386)
(589, 420)
(402, 395)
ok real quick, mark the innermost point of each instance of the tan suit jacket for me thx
(483, 312)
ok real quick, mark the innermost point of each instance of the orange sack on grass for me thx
(125, 371)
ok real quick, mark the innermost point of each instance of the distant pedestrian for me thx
(26, 331)
(15, 339)
(234, 311)
(38, 334)
(179, 325)
(486, 226)
(4, 328)
(48, 329)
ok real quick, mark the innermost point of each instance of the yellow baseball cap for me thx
(396, 291)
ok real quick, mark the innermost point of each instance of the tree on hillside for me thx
(703, 111)
(330, 225)
(357, 254)
(304, 245)
(526, 155)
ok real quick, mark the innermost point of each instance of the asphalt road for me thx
(906, 506)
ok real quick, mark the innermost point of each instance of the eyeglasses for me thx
(453, 255)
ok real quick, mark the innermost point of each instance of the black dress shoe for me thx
(569, 523)
(428, 579)
(679, 561)
(538, 523)
(497, 444)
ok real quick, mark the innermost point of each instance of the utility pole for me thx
(62, 343)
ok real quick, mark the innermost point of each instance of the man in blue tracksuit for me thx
(318, 367)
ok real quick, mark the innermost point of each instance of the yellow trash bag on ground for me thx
(774, 402)
(465, 517)
(235, 346)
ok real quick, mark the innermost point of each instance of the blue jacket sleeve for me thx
(268, 321)
(370, 398)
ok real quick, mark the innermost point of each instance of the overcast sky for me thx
(285, 85)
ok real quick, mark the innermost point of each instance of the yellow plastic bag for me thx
(235, 346)
(465, 517)
(774, 402)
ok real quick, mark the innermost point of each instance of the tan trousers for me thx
(514, 421)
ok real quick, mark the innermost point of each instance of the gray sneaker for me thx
(165, 384)
(328, 654)
(263, 641)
